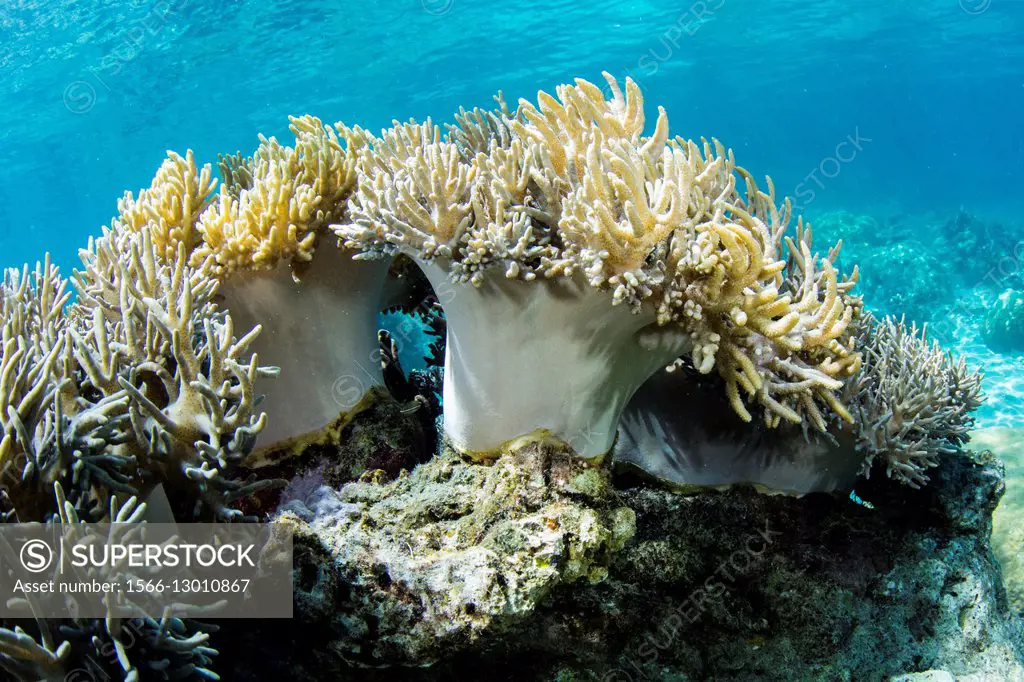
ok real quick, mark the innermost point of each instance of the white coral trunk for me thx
(682, 434)
(321, 331)
(553, 354)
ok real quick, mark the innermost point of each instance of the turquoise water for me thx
(881, 108)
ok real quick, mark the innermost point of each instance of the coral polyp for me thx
(594, 253)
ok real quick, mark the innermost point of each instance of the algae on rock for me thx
(538, 568)
(453, 554)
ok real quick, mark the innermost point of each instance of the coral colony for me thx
(583, 258)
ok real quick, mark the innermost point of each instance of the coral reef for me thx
(952, 270)
(562, 259)
(978, 257)
(856, 229)
(916, 297)
(1003, 328)
(981, 246)
(623, 251)
(137, 388)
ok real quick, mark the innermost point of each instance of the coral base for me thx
(320, 328)
(685, 434)
(553, 355)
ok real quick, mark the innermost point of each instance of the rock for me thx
(379, 440)
(455, 553)
(537, 568)
(926, 676)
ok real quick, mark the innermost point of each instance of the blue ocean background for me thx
(886, 121)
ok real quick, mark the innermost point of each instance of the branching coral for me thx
(912, 401)
(171, 206)
(164, 648)
(72, 419)
(28, 660)
(619, 251)
(476, 129)
(51, 431)
(33, 337)
(151, 329)
(235, 173)
(258, 237)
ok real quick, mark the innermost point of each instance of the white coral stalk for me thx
(548, 357)
(319, 328)
(683, 433)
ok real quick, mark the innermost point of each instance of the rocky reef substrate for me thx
(1003, 328)
(1007, 528)
(538, 567)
